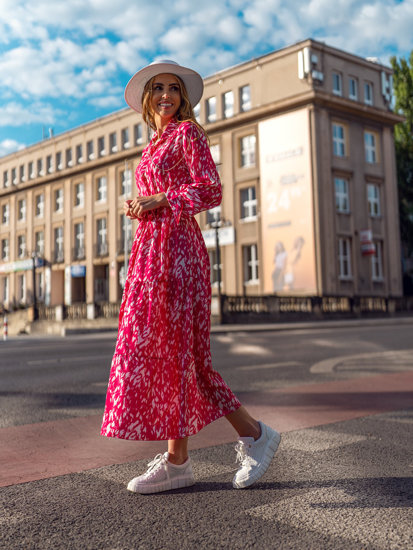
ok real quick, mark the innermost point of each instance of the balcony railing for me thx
(101, 249)
(78, 253)
(58, 256)
(121, 245)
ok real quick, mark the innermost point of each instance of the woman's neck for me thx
(161, 125)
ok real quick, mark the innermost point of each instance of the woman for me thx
(162, 385)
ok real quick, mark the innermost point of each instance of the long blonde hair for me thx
(184, 113)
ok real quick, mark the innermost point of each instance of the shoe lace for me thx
(153, 464)
(242, 454)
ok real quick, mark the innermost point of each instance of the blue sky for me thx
(66, 62)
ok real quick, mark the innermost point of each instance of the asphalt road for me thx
(343, 483)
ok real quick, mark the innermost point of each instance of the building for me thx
(303, 140)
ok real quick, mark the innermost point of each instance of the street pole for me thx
(35, 312)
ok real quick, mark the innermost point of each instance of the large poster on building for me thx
(288, 261)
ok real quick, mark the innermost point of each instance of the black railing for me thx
(78, 253)
(58, 256)
(121, 246)
(242, 309)
(101, 249)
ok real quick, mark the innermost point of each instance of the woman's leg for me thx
(244, 423)
(178, 450)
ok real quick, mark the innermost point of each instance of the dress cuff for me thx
(175, 202)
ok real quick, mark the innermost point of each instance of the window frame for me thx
(339, 142)
(374, 200)
(344, 259)
(251, 202)
(246, 153)
(342, 199)
(337, 79)
(250, 262)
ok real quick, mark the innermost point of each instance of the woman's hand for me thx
(136, 207)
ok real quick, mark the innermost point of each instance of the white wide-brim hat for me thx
(134, 89)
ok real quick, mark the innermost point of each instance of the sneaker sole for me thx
(169, 485)
(270, 451)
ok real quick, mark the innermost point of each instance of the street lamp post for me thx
(35, 310)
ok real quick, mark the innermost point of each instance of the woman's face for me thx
(166, 97)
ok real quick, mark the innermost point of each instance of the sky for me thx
(66, 62)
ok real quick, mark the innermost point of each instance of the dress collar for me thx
(171, 127)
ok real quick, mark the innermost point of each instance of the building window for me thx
(353, 88)
(79, 251)
(373, 200)
(344, 258)
(69, 159)
(49, 164)
(248, 204)
(13, 176)
(377, 263)
(39, 206)
(126, 233)
(125, 183)
(58, 239)
(248, 151)
(138, 134)
(102, 245)
(370, 147)
(59, 160)
(337, 84)
(245, 98)
(214, 267)
(5, 249)
(40, 171)
(58, 200)
(339, 140)
(101, 189)
(216, 153)
(80, 195)
(101, 147)
(368, 93)
(197, 112)
(6, 291)
(21, 288)
(79, 154)
(213, 215)
(21, 246)
(113, 142)
(21, 208)
(211, 109)
(5, 214)
(342, 195)
(228, 104)
(125, 138)
(22, 176)
(250, 259)
(31, 172)
(5, 178)
(89, 150)
(39, 242)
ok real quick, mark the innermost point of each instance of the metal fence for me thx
(261, 309)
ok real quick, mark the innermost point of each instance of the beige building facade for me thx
(303, 140)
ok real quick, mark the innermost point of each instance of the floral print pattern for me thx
(161, 384)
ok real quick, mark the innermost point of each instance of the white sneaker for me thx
(162, 476)
(255, 456)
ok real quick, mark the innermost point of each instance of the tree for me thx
(403, 134)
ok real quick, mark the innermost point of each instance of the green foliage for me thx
(403, 133)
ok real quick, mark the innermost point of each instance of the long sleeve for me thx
(203, 191)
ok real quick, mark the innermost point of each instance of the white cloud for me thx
(77, 50)
(8, 146)
(16, 114)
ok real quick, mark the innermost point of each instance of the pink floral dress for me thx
(162, 385)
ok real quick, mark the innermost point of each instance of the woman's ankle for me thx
(177, 459)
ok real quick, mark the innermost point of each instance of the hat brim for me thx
(134, 89)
